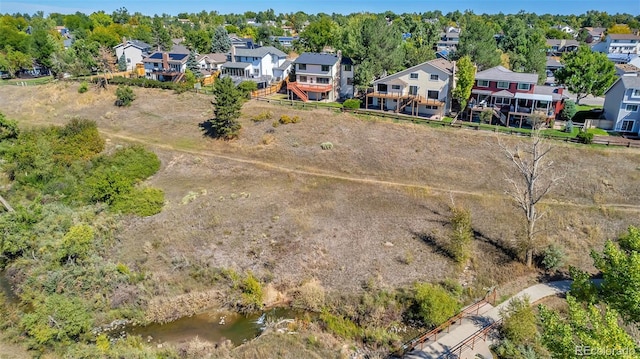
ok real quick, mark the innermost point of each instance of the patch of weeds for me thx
(326, 146)
(262, 116)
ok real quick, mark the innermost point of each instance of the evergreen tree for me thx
(160, 35)
(220, 41)
(122, 63)
(227, 105)
(477, 41)
(193, 65)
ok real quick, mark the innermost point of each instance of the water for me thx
(213, 327)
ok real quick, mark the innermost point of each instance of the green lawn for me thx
(587, 107)
(28, 82)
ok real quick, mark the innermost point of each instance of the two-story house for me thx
(513, 97)
(595, 34)
(557, 47)
(210, 63)
(347, 88)
(317, 77)
(424, 90)
(165, 66)
(245, 64)
(449, 39)
(619, 44)
(134, 51)
(622, 104)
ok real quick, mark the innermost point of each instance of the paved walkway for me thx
(470, 325)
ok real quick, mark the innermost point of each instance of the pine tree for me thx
(220, 41)
(228, 102)
(122, 63)
(193, 65)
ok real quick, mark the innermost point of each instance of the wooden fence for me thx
(268, 90)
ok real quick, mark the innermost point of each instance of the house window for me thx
(325, 68)
(414, 75)
(501, 101)
(323, 80)
(413, 90)
(349, 81)
(382, 87)
(503, 84)
(627, 125)
(128, 60)
(347, 67)
(302, 66)
(433, 94)
(483, 83)
(433, 77)
(635, 93)
(395, 87)
(525, 87)
(303, 78)
(632, 108)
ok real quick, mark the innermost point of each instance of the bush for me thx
(76, 244)
(142, 202)
(310, 296)
(340, 326)
(585, 137)
(553, 257)
(251, 293)
(124, 96)
(326, 146)
(84, 87)
(246, 87)
(8, 128)
(519, 325)
(351, 104)
(143, 82)
(434, 304)
(264, 115)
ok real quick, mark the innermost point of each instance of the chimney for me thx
(165, 61)
(233, 53)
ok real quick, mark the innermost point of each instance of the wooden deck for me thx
(421, 100)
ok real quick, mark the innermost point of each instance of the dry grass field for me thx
(374, 208)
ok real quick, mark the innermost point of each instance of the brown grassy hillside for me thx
(375, 207)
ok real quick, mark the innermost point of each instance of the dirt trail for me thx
(319, 173)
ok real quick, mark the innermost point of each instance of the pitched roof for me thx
(503, 93)
(630, 81)
(218, 58)
(259, 52)
(137, 43)
(173, 57)
(500, 73)
(562, 42)
(440, 64)
(284, 65)
(315, 58)
(549, 90)
(624, 37)
(235, 65)
(627, 68)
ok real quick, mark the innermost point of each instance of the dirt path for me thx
(319, 173)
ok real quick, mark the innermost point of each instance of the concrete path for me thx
(470, 325)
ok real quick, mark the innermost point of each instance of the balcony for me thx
(309, 87)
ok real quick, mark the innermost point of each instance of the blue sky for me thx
(151, 7)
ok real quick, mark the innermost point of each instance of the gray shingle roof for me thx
(549, 90)
(260, 52)
(500, 73)
(314, 58)
(630, 82)
(284, 65)
(235, 65)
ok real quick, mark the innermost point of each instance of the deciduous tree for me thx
(586, 73)
(532, 179)
(478, 42)
(466, 73)
(319, 34)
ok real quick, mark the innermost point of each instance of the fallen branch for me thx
(6, 204)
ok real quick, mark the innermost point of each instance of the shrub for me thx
(77, 243)
(264, 115)
(142, 202)
(460, 240)
(84, 87)
(246, 87)
(553, 257)
(251, 293)
(326, 146)
(124, 96)
(434, 304)
(351, 104)
(585, 137)
(285, 119)
(340, 326)
(519, 325)
(8, 128)
(310, 296)
(486, 116)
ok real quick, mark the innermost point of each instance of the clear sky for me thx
(173, 7)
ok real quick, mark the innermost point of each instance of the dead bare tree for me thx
(531, 180)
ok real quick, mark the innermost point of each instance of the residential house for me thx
(318, 77)
(513, 97)
(626, 44)
(281, 73)
(165, 66)
(284, 41)
(241, 42)
(245, 64)
(423, 90)
(552, 65)
(134, 51)
(566, 28)
(622, 105)
(347, 73)
(449, 39)
(210, 63)
(557, 47)
(595, 34)
(626, 69)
